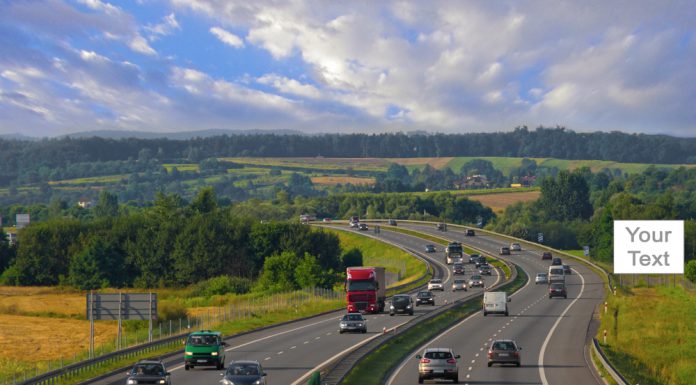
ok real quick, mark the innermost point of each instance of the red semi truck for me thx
(365, 289)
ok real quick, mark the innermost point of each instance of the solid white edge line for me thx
(542, 372)
(352, 347)
(391, 378)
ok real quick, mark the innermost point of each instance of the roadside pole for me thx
(120, 315)
(149, 334)
(91, 324)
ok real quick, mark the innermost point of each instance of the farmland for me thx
(498, 202)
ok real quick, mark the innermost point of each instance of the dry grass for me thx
(42, 338)
(438, 163)
(498, 202)
(334, 180)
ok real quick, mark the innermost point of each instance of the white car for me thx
(435, 284)
(476, 280)
(459, 284)
(541, 278)
(515, 247)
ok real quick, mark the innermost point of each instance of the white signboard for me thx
(649, 247)
(22, 220)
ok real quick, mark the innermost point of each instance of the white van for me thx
(495, 302)
(556, 274)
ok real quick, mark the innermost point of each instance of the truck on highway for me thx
(495, 302)
(454, 251)
(354, 222)
(365, 289)
(556, 274)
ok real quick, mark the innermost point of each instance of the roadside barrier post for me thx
(605, 307)
(605, 336)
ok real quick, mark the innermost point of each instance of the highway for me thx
(552, 332)
(290, 351)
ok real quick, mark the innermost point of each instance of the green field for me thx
(652, 339)
(181, 167)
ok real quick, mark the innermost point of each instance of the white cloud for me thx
(168, 26)
(227, 37)
(290, 86)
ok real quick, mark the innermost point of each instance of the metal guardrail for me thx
(607, 365)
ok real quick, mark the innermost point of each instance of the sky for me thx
(358, 66)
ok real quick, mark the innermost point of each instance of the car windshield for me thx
(366, 285)
(475, 277)
(424, 294)
(558, 271)
(243, 370)
(541, 275)
(458, 265)
(454, 248)
(203, 340)
(400, 299)
(503, 345)
(459, 281)
(352, 317)
(436, 281)
(438, 355)
(148, 370)
(557, 286)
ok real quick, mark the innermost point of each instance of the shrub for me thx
(690, 271)
(169, 310)
(221, 285)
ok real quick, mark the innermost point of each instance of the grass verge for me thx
(651, 335)
(374, 369)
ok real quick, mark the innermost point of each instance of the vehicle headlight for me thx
(257, 382)
(391, 307)
(214, 353)
(408, 307)
(130, 382)
(189, 353)
(162, 381)
(343, 324)
(360, 325)
(227, 382)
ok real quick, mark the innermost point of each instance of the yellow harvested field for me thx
(498, 202)
(66, 304)
(438, 163)
(334, 180)
(42, 338)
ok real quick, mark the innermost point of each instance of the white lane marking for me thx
(478, 354)
(305, 343)
(542, 372)
(267, 358)
(292, 347)
(280, 352)
(470, 368)
(473, 361)
(316, 338)
(304, 377)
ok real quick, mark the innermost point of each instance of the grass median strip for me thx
(374, 368)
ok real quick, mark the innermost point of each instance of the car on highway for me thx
(425, 297)
(362, 227)
(353, 322)
(441, 226)
(244, 373)
(326, 220)
(546, 255)
(504, 352)
(476, 281)
(392, 222)
(473, 257)
(567, 270)
(495, 302)
(470, 233)
(556, 262)
(459, 284)
(436, 284)
(485, 270)
(149, 372)
(556, 274)
(557, 290)
(430, 248)
(504, 250)
(204, 348)
(438, 363)
(480, 261)
(541, 278)
(401, 303)
(458, 268)
(515, 247)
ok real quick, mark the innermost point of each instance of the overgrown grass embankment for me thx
(652, 335)
(374, 368)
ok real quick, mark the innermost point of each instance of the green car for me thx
(204, 348)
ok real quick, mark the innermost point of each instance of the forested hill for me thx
(17, 156)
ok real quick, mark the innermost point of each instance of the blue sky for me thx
(318, 66)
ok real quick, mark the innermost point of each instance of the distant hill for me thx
(16, 136)
(115, 134)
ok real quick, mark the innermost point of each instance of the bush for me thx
(690, 270)
(352, 257)
(221, 285)
(168, 310)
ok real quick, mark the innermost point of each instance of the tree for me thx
(205, 201)
(279, 273)
(352, 257)
(88, 269)
(565, 198)
(690, 271)
(308, 273)
(107, 206)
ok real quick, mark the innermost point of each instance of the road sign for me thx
(130, 306)
(586, 251)
(540, 237)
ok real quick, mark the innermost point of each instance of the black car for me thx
(392, 222)
(481, 261)
(425, 297)
(556, 262)
(149, 372)
(430, 248)
(473, 258)
(458, 268)
(470, 233)
(504, 250)
(244, 373)
(566, 270)
(362, 227)
(401, 303)
(557, 290)
(441, 226)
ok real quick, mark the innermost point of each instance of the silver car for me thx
(476, 280)
(541, 278)
(504, 352)
(459, 284)
(435, 284)
(353, 322)
(485, 270)
(515, 247)
(438, 363)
